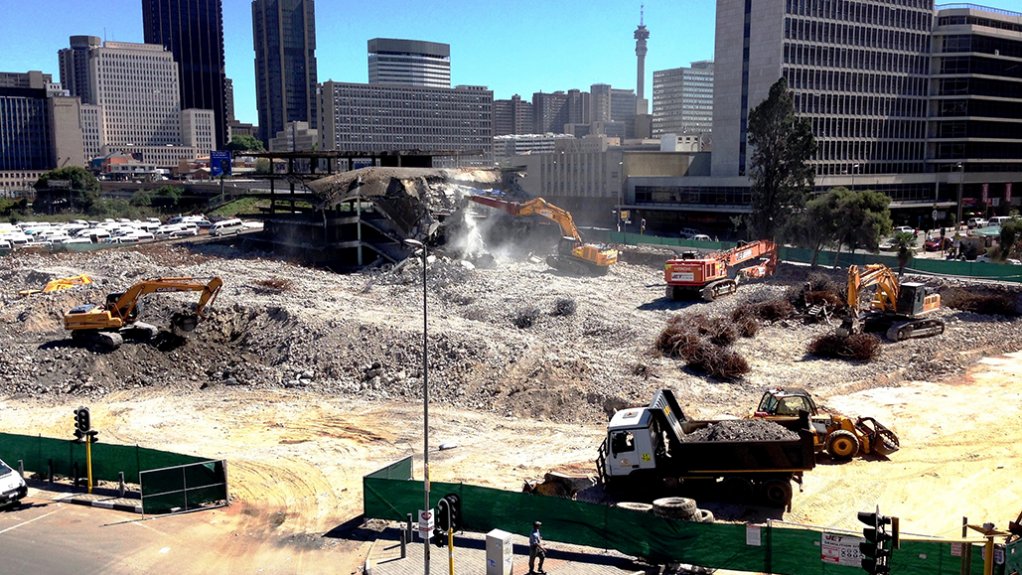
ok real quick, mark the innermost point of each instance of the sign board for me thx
(934, 214)
(1007, 193)
(219, 163)
(753, 535)
(426, 523)
(840, 549)
(986, 192)
(59, 184)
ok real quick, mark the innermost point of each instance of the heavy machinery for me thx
(716, 274)
(841, 437)
(654, 448)
(573, 255)
(59, 284)
(898, 309)
(103, 325)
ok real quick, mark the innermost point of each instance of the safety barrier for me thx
(972, 269)
(391, 494)
(184, 487)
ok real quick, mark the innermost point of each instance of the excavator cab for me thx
(914, 300)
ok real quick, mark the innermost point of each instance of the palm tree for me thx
(905, 243)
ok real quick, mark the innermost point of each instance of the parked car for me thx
(937, 244)
(688, 233)
(702, 238)
(12, 486)
(904, 230)
(184, 232)
(974, 223)
(998, 220)
(227, 227)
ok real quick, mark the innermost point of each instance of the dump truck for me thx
(839, 436)
(655, 449)
(713, 275)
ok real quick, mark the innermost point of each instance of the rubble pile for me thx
(586, 350)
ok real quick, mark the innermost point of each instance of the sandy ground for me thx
(296, 460)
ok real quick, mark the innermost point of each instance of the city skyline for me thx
(572, 44)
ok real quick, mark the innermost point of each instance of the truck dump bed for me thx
(730, 446)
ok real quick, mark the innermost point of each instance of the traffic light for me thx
(879, 543)
(92, 433)
(82, 422)
(448, 511)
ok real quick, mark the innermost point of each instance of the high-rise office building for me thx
(74, 67)
(387, 117)
(549, 112)
(40, 126)
(284, 33)
(512, 116)
(976, 108)
(858, 72)
(193, 31)
(683, 100)
(409, 63)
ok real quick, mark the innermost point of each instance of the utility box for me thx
(500, 554)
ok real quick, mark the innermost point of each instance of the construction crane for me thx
(103, 325)
(716, 274)
(573, 255)
(899, 309)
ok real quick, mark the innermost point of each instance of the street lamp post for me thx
(961, 179)
(425, 402)
(855, 168)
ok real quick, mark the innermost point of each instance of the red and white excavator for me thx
(716, 274)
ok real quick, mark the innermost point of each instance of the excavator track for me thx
(104, 340)
(915, 328)
(719, 288)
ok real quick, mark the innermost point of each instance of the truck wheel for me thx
(777, 493)
(842, 445)
(675, 507)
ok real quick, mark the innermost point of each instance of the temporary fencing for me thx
(392, 494)
(168, 480)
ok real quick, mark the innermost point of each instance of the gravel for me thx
(742, 430)
(360, 335)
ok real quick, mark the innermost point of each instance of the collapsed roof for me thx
(414, 199)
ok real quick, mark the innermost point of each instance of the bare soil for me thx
(304, 390)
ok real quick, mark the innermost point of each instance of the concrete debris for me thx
(360, 335)
(742, 430)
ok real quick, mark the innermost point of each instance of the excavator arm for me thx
(879, 275)
(124, 305)
(535, 207)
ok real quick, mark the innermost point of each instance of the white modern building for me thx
(409, 63)
(683, 99)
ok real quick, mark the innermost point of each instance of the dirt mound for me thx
(742, 430)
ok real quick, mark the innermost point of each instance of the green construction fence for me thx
(108, 460)
(391, 494)
(979, 270)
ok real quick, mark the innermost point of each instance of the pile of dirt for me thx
(585, 351)
(742, 430)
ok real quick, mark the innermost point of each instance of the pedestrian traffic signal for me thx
(82, 422)
(93, 439)
(879, 542)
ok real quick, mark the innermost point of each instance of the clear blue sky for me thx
(511, 46)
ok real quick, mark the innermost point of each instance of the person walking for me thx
(536, 548)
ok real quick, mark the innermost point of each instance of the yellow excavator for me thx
(103, 325)
(59, 284)
(898, 309)
(573, 255)
(841, 437)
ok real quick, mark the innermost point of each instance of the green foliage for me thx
(863, 218)
(83, 192)
(245, 143)
(165, 199)
(817, 224)
(117, 208)
(781, 144)
(1011, 238)
(239, 207)
(905, 243)
(262, 166)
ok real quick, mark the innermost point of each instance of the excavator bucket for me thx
(184, 322)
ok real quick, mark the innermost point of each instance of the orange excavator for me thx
(102, 325)
(716, 274)
(573, 255)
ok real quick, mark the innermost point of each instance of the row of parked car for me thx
(114, 231)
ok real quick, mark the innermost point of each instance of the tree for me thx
(905, 243)
(245, 143)
(83, 190)
(782, 144)
(817, 224)
(1011, 237)
(863, 219)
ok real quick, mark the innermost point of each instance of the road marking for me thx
(24, 523)
(140, 524)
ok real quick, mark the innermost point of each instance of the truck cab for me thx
(631, 442)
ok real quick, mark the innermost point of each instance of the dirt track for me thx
(518, 402)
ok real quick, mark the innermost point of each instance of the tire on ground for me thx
(675, 507)
(704, 516)
(634, 506)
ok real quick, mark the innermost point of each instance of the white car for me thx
(904, 230)
(12, 486)
(975, 223)
(701, 238)
(184, 232)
